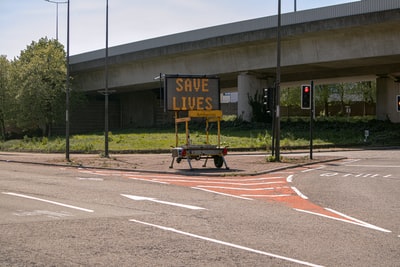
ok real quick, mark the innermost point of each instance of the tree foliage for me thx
(259, 112)
(37, 84)
(4, 94)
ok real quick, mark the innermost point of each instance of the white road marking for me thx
(299, 193)
(314, 169)
(268, 196)
(47, 201)
(359, 221)
(89, 179)
(146, 180)
(346, 221)
(289, 179)
(139, 198)
(225, 183)
(239, 188)
(375, 166)
(50, 214)
(226, 243)
(222, 194)
(350, 161)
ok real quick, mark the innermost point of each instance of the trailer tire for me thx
(218, 161)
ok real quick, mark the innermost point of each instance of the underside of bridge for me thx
(356, 47)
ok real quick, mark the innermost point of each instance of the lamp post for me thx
(57, 3)
(67, 94)
(278, 88)
(67, 82)
(106, 154)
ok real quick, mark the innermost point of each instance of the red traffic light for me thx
(305, 96)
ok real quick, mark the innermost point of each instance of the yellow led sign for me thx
(192, 92)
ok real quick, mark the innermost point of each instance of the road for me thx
(343, 213)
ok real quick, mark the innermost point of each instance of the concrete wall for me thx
(89, 116)
(138, 109)
(387, 90)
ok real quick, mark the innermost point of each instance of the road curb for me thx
(193, 172)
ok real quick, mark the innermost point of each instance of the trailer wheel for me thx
(218, 161)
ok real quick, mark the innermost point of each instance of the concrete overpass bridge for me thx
(354, 41)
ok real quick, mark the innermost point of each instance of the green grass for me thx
(328, 132)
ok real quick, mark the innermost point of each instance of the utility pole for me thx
(277, 87)
(106, 154)
(67, 93)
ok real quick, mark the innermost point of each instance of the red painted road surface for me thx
(268, 187)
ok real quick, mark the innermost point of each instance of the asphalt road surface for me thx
(343, 213)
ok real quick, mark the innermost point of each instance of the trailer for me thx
(206, 151)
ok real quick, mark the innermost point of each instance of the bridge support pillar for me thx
(386, 106)
(248, 86)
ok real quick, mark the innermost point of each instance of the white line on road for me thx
(146, 180)
(350, 161)
(268, 196)
(356, 222)
(314, 169)
(47, 201)
(374, 166)
(222, 194)
(226, 243)
(225, 183)
(89, 179)
(139, 198)
(240, 188)
(289, 179)
(359, 221)
(299, 193)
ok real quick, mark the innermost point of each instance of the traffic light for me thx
(268, 99)
(305, 96)
(398, 103)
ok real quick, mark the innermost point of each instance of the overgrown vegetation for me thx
(328, 132)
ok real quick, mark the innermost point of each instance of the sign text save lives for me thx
(190, 92)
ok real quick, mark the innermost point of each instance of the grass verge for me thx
(295, 133)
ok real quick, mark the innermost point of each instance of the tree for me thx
(322, 94)
(290, 97)
(367, 90)
(4, 71)
(259, 113)
(345, 92)
(38, 85)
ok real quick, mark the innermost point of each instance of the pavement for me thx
(239, 163)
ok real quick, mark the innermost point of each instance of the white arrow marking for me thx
(139, 198)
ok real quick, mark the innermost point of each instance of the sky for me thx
(24, 21)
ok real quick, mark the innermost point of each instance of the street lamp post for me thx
(278, 87)
(106, 153)
(67, 82)
(57, 3)
(67, 94)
